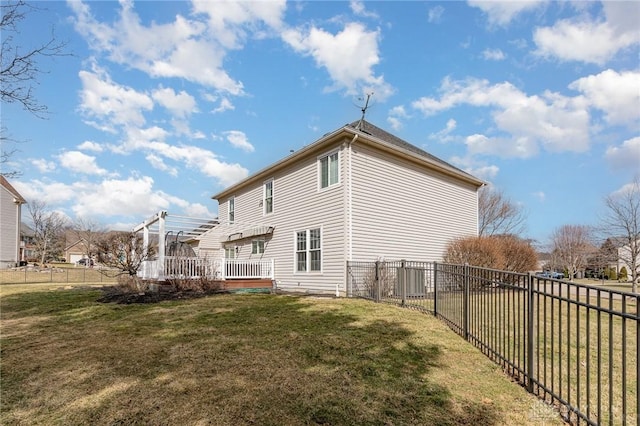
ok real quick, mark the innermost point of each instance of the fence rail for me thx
(574, 346)
(54, 275)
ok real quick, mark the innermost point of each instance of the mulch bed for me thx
(115, 294)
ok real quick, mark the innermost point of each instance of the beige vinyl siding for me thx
(8, 229)
(404, 211)
(298, 205)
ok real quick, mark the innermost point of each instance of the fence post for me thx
(530, 339)
(377, 282)
(435, 289)
(465, 302)
(403, 274)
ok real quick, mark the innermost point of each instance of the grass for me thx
(244, 359)
(579, 354)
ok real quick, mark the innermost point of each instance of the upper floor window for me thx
(268, 197)
(232, 209)
(329, 168)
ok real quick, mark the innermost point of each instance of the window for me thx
(232, 209)
(257, 246)
(229, 252)
(309, 250)
(329, 170)
(268, 197)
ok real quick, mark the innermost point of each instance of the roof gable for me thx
(375, 136)
(6, 185)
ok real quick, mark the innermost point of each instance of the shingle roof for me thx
(370, 129)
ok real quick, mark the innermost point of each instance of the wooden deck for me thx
(247, 283)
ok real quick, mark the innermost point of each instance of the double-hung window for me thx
(308, 250)
(329, 170)
(232, 209)
(268, 197)
(257, 246)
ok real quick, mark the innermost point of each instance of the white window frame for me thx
(231, 209)
(257, 247)
(265, 198)
(302, 245)
(327, 157)
(230, 252)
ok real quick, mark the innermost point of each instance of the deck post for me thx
(161, 248)
(273, 269)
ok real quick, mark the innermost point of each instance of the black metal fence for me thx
(574, 346)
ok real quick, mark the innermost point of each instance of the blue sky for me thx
(164, 103)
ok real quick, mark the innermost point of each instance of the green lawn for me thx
(244, 359)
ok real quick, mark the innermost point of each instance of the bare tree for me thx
(123, 251)
(88, 232)
(19, 70)
(19, 67)
(48, 227)
(497, 214)
(622, 221)
(571, 247)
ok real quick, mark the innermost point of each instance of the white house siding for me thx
(9, 237)
(297, 205)
(404, 211)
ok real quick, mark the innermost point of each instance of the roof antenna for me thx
(364, 111)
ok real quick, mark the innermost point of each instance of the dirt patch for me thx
(115, 294)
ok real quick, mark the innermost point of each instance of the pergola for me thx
(163, 224)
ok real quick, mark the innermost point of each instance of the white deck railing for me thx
(219, 269)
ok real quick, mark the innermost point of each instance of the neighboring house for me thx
(27, 243)
(357, 193)
(624, 259)
(10, 218)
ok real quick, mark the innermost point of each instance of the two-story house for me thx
(10, 217)
(357, 193)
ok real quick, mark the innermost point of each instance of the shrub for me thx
(613, 274)
(504, 252)
(623, 276)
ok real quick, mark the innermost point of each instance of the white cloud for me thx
(79, 162)
(591, 40)
(111, 104)
(90, 146)
(239, 140)
(180, 104)
(554, 121)
(357, 7)
(396, 114)
(444, 135)
(225, 105)
(493, 54)
(476, 168)
(615, 93)
(503, 12)
(43, 165)
(348, 56)
(185, 48)
(435, 14)
(158, 163)
(625, 156)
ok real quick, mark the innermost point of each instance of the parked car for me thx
(85, 262)
(550, 274)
